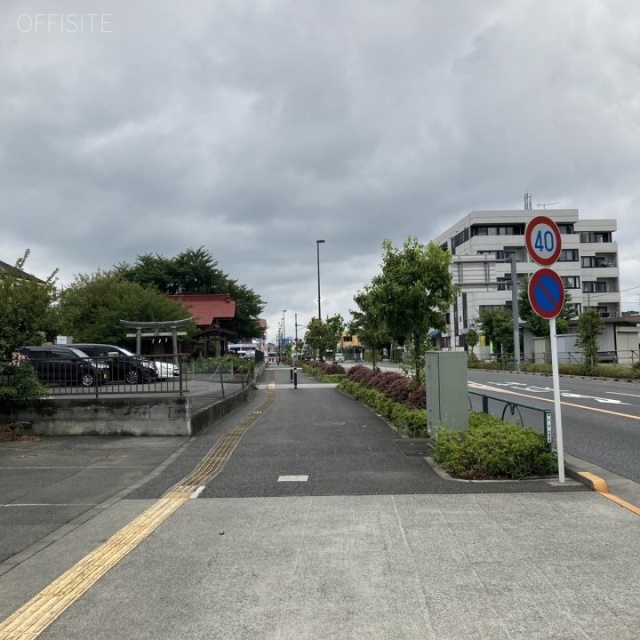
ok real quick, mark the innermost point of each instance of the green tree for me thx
(497, 326)
(472, 338)
(324, 336)
(27, 309)
(249, 306)
(195, 271)
(367, 322)
(590, 326)
(93, 305)
(191, 271)
(413, 292)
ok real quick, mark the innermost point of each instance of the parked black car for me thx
(123, 364)
(63, 365)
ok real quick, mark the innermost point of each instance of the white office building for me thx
(482, 242)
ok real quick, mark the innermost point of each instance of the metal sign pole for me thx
(546, 295)
(556, 398)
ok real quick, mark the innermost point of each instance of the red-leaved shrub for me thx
(393, 384)
(326, 368)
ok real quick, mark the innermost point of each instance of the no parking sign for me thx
(546, 293)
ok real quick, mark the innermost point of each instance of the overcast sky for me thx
(256, 127)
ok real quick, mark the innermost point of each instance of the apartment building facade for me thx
(482, 243)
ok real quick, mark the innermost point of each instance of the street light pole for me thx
(279, 339)
(318, 243)
(284, 335)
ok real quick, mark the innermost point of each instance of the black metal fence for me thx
(100, 376)
(517, 412)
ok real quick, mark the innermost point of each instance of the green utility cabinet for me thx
(447, 391)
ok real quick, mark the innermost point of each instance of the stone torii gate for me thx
(161, 329)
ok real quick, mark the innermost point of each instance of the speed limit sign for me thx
(542, 238)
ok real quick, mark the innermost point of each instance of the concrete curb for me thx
(588, 480)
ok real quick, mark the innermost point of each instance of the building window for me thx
(490, 308)
(596, 262)
(565, 228)
(575, 308)
(571, 282)
(569, 255)
(594, 287)
(498, 230)
(459, 238)
(592, 237)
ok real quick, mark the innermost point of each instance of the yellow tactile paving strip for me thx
(213, 463)
(35, 616)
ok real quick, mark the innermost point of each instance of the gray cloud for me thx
(256, 127)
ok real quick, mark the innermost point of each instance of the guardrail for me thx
(627, 357)
(516, 408)
(221, 372)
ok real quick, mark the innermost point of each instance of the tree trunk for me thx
(418, 357)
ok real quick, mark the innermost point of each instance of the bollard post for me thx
(291, 374)
(295, 378)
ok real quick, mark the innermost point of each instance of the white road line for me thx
(198, 491)
(615, 393)
(50, 504)
(293, 478)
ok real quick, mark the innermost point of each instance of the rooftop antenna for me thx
(545, 204)
(527, 201)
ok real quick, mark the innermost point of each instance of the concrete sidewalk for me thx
(319, 525)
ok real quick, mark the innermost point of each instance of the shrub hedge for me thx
(407, 419)
(19, 385)
(329, 372)
(392, 384)
(492, 449)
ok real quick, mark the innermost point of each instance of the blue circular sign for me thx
(546, 293)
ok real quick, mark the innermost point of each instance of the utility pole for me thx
(516, 315)
(318, 243)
